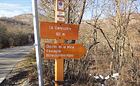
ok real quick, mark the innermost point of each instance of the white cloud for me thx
(5, 13)
(7, 6)
(10, 9)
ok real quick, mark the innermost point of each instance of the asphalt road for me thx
(9, 57)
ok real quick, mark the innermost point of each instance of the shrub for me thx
(8, 39)
(18, 39)
(3, 37)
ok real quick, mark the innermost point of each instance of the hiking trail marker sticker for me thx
(60, 5)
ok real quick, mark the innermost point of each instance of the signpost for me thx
(59, 63)
(60, 50)
(60, 31)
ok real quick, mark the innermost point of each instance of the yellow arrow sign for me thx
(53, 51)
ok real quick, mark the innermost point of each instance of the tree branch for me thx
(102, 34)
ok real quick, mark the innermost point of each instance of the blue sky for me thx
(10, 8)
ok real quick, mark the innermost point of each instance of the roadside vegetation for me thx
(15, 32)
(4, 42)
(11, 39)
(112, 44)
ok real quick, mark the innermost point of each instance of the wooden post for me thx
(59, 63)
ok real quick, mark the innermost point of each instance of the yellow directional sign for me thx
(52, 30)
(60, 50)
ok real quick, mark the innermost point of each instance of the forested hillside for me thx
(16, 31)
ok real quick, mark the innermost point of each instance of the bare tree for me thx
(122, 53)
(119, 48)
